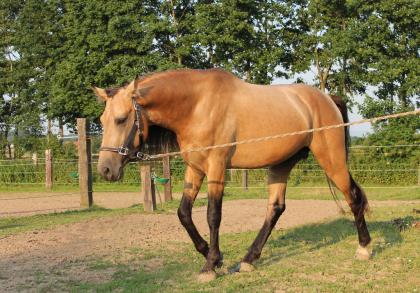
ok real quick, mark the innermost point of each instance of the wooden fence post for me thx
(85, 165)
(245, 180)
(231, 175)
(167, 196)
(148, 188)
(48, 170)
(418, 175)
(35, 159)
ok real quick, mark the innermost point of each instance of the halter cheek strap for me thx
(138, 127)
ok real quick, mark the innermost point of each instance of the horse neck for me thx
(173, 97)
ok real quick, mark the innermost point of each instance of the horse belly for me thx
(267, 153)
(265, 112)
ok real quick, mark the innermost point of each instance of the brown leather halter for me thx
(127, 148)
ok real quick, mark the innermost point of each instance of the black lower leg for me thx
(358, 208)
(254, 251)
(184, 215)
(362, 231)
(214, 216)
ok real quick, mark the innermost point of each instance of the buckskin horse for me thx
(210, 107)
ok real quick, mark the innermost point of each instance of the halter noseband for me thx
(138, 127)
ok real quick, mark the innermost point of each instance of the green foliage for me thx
(3, 145)
(244, 37)
(402, 131)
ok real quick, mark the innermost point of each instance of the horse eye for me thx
(120, 120)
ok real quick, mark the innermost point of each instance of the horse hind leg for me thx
(335, 166)
(277, 181)
(359, 206)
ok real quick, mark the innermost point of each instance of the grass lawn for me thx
(303, 191)
(322, 192)
(310, 258)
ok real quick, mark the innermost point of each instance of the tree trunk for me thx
(49, 127)
(61, 127)
(176, 25)
(9, 149)
(322, 84)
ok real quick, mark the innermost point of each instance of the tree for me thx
(107, 44)
(37, 40)
(329, 43)
(392, 56)
(244, 36)
(390, 50)
(175, 36)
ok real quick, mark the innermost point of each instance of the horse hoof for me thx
(362, 253)
(206, 277)
(245, 267)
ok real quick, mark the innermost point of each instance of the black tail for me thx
(341, 105)
(360, 203)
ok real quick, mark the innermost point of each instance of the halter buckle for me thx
(123, 151)
(142, 156)
(137, 107)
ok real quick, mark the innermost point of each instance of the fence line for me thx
(384, 146)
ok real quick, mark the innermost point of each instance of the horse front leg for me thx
(214, 216)
(192, 184)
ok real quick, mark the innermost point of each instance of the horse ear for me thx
(142, 92)
(100, 93)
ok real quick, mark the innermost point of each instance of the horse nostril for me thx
(105, 171)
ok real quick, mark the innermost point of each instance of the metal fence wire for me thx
(65, 172)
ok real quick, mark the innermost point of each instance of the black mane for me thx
(159, 140)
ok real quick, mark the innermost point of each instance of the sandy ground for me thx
(60, 254)
(30, 203)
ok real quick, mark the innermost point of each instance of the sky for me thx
(354, 115)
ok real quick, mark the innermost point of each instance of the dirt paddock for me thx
(60, 253)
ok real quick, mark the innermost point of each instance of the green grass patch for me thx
(303, 191)
(14, 225)
(322, 192)
(310, 258)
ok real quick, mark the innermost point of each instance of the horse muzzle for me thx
(110, 172)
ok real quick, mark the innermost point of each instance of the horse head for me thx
(125, 128)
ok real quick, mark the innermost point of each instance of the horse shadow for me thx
(9, 226)
(6, 227)
(321, 235)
